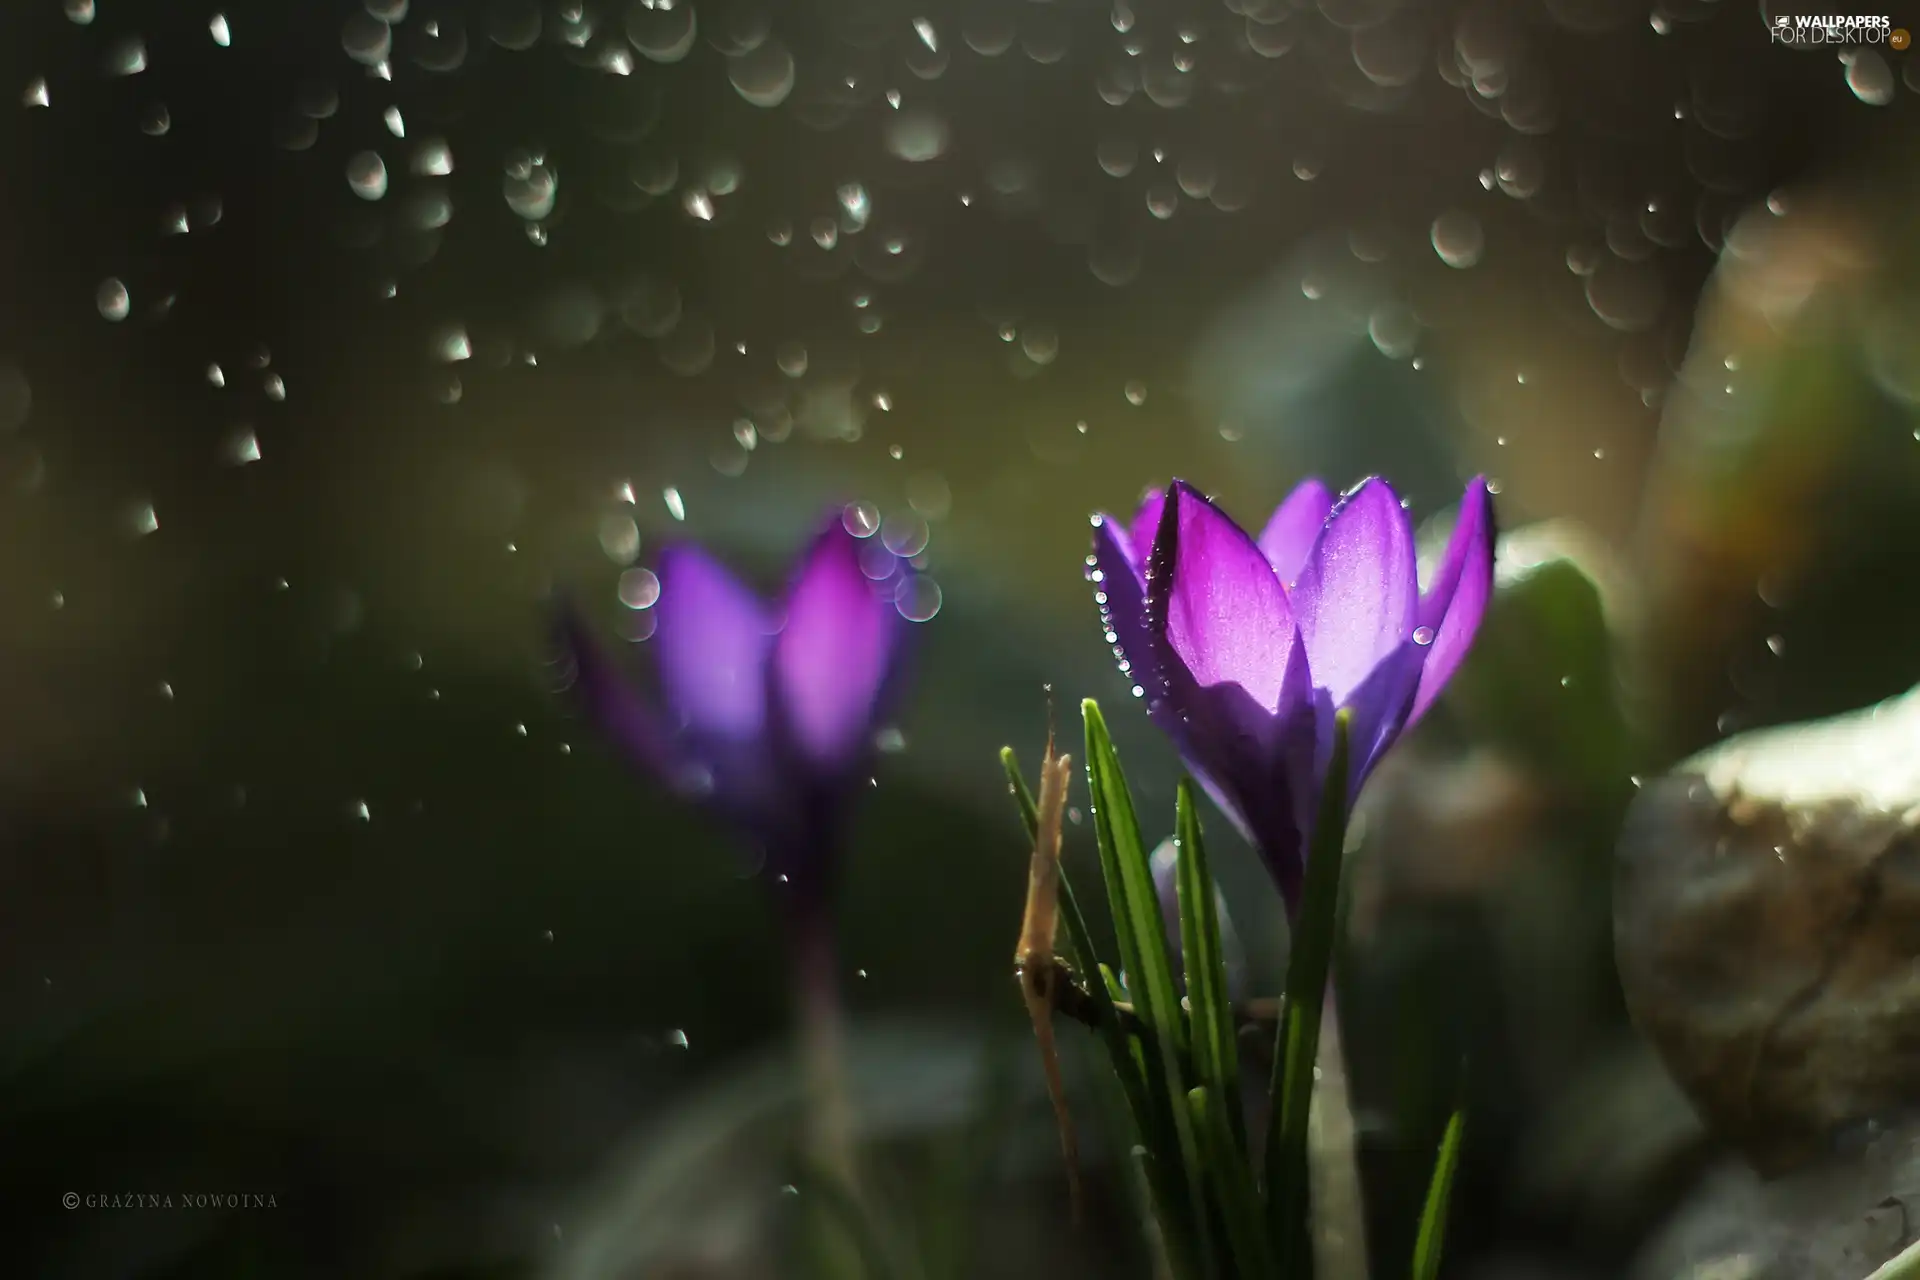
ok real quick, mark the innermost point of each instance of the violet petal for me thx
(1214, 602)
(832, 656)
(712, 641)
(1294, 527)
(1356, 597)
(1146, 524)
(1457, 600)
(616, 706)
(1380, 708)
(1121, 592)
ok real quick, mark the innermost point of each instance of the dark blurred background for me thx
(334, 337)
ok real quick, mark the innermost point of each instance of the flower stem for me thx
(821, 1019)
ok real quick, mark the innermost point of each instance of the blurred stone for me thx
(1837, 1219)
(1767, 929)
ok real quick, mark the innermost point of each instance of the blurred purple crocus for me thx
(1246, 647)
(766, 712)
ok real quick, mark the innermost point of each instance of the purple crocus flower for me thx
(766, 713)
(1246, 647)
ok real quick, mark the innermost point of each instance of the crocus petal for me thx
(832, 657)
(834, 653)
(1457, 599)
(1380, 710)
(711, 639)
(1120, 589)
(1146, 524)
(635, 727)
(1257, 765)
(1213, 602)
(1295, 526)
(1356, 597)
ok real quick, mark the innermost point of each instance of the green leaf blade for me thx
(1428, 1244)
(1216, 1050)
(1141, 932)
(1234, 1189)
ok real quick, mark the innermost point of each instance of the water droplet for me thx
(367, 175)
(916, 136)
(1395, 330)
(861, 519)
(904, 534)
(1870, 78)
(127, 56)
(79, 12)
(677, 1038)
(1136, 392)
(855, 204)
(918, 598)
(218, 29)
(619, 537)
(366, 39)
(433, 158)
(791, 357)
(531, 190)
(113, 300)
(35, 94)
(1423, 635)
(1777, 645)
(1458, 239)
(676, 507)
(698, 203)
(243, 447)
(361, 811)
(764, 76)
(451, 345)
(639, 589)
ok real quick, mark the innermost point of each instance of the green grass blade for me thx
(1433, 1218)
(1234, 1188)
(1022, 794)
(1141, 932)
(1216, 1048)
(1289, 1189)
